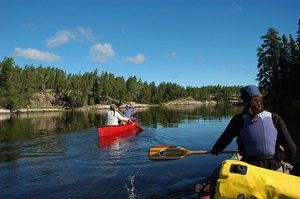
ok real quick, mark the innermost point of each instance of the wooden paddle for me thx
(137, 126)
(174, 152)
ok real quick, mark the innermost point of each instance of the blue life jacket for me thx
(259, 137)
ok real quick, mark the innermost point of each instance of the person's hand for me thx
(210, 150)
(130, 104)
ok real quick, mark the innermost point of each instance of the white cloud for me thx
(66, 36)
(139, 59)
(102, 53)
(87, 34)
(35, 54)
(61, 37)
(173, 54)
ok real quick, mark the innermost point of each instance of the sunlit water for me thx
(59, 155)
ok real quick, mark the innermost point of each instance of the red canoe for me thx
(104, 130)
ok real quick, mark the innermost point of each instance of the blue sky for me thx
(188, 42)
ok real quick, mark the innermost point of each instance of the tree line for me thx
(17, 85)
(279, 66)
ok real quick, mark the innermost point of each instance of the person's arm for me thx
(233, 128)
(120, 117)
(133, 109)
(284, 137)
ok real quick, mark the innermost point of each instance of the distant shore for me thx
(106, 107)
(44, 110)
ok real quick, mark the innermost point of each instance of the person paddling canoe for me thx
(113, 116)
(129, 109)
(259, 134)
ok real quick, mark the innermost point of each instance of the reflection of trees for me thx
(172, 116)
(21, 128)
(18, 130)
(24, 126)
(4, 117)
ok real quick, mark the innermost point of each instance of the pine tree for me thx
(268, 62)
(12, 89)
(284, 64)
(296, 73)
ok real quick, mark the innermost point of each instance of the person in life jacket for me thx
(260, 134)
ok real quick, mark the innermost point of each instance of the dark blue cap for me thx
(248, 92)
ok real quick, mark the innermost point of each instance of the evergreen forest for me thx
(278, 79)
(76, 90)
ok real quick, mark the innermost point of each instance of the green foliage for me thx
(279, 67)
(13, 95)
(17, 85)
(268, 61)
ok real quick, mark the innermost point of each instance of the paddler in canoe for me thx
(259, 134)
(128, 110)
(113, 116)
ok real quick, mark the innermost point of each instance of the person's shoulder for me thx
(275, 116)
(238, 116)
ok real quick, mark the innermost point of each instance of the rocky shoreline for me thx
(7, 111)
(106, 107)
(85, 108)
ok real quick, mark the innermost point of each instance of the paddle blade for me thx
(139, 127)
(167, 153)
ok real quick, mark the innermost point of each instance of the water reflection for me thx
(18, 127)
(171, 116)
(59, 155)
(112, 139)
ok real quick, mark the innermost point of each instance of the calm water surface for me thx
(59, 155)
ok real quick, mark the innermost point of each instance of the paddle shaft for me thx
(174, 152)
(125, 116)
(138, 126)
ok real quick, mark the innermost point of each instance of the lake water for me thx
(59, 155)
